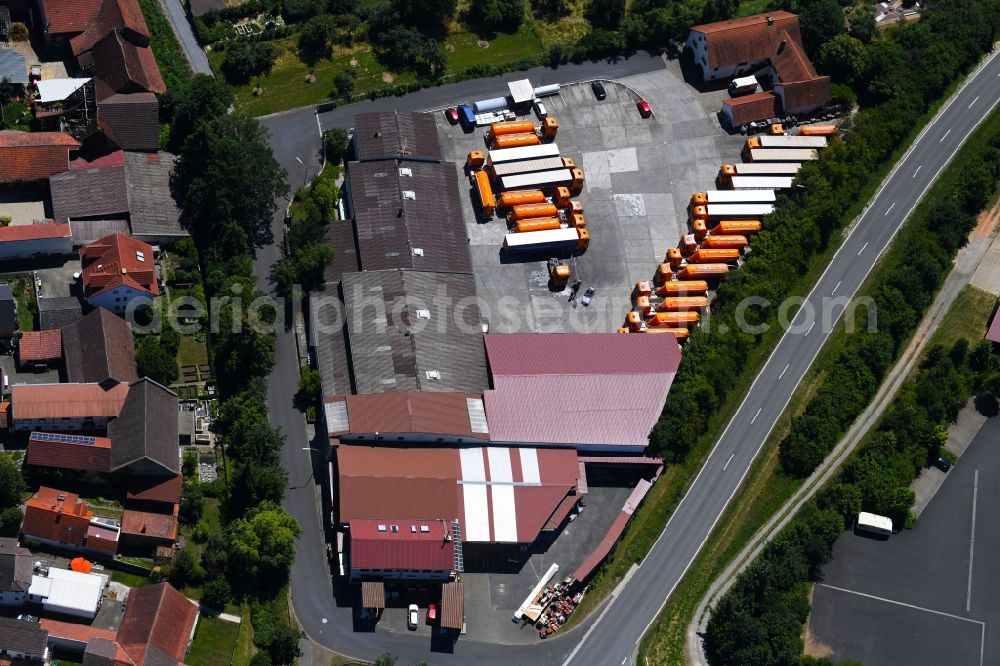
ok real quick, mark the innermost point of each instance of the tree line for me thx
(894, 96)
(228, 181)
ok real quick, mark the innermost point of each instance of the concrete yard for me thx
(925, 596)
(639, 176)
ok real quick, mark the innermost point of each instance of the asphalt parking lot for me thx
(639, 176)
(926, 596)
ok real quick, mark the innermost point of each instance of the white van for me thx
(874, 524)
(540, 109)
(745, 85)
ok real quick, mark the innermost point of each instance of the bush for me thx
(336, 142)
(216, 594)
(503, 15)
(10, 521)
(153, 361)
(246, 59)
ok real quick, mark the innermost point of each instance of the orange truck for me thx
(674, 257)
(484, 192)
(536, 224)
(663, 273)
(700, 229)
(736, 227)
(673, 319)
(509, 127)
(727, 256)
(561, 196)
(515, 140)
(682, 288)
(682, 304)
(518, 197)
(702, 271)
(818, 130)
(733, 242)
(524, 211)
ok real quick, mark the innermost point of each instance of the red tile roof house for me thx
(401, 549)
(26, 241)
(39, 348)
(33, 156)
(156, 630)
(61, 519)
(118, 269)
(65, 407)
(62, 19)
(746, 45)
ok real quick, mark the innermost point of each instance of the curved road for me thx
(611, 638)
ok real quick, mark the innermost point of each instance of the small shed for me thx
(521, 92)
(373, 594)
(452, 605)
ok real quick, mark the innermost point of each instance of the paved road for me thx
(613, 639)
(610, 640)
(185, 36)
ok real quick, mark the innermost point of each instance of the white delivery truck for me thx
(761, 182)
(781, 154)
(874, 524)
(744, 85)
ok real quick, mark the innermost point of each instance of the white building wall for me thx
(697, 46)
(60, 425)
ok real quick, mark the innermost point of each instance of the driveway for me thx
(926, 596)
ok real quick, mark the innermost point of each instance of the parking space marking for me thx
(810, 328)
(972, 540)
(982, 625)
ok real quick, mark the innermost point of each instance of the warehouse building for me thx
(407, 416)
(402, 135)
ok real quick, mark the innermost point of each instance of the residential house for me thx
(27, 241)
(99, 347)
(61, 519)
(23, 641)
(15, 572)
(8, 311)
(33, 156)
(159, 622)
(117, 270)
(13, 67)
(65, 407)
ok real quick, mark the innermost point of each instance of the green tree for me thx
(343, 83)
(310, 387)
(11, 483)
(192, 504)
(503, 15)
(216, 593)
(605, 14)
(819, 21)
(185, 570)
(283, 648)
(863, 24)
(229, 180)
(10, 521)
(153, 361)
(215, 556)
(261, 659)
(843, 58)
(314, 38)
(245, 60)
(264, 542)
(202, 98)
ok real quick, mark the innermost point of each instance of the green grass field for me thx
(214, 642)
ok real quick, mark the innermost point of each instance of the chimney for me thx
(144, 528)
(770, 20)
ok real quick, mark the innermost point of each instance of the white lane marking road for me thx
(862, 249)
(973, 102)
(917, 171)
(889, 209)
(945, 135)
(811, 325)
(972, 541)
(835, 288)
(783, 371)
(728, 461)
(758, 412)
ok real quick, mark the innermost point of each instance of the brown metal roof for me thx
(453, 605)
(411, 412)
(99, 347)
(396, 135)
(408, 215)
(759, 106)
(327, 335)
(373, 594)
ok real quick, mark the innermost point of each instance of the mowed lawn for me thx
(286, 86)
(214, 642)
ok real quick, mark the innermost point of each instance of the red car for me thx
(431, 613)
(644, 109)
(452, 115)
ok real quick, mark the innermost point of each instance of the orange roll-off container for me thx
(682, 304)
(681, 334)
(702, 256)
(515, 141)
(688, 243)
(509, 127)
(523, 211)
(537, 224)
(550, 127)
(724, 242)
(683, 288)
(736, 227)
(574, 206)
(674, 319)
(818, 130)
(702, 271)
(516, 197)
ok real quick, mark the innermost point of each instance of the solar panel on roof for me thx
(64, 439)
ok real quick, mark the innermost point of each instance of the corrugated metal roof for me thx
(587, 390)
(327, 336)
(384, 135)
(373, 594)
(422, 229)
(404, 336)
(410, 412)
(402, 544)
(56, 90)
(453, 605)
(13, 67)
